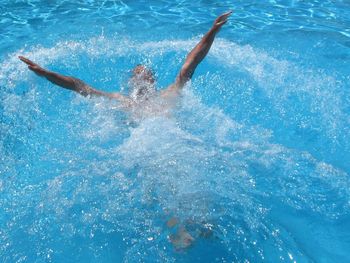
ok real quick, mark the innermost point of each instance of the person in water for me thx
(142, 93)
(142, 81)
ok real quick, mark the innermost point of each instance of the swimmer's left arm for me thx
(198, 53)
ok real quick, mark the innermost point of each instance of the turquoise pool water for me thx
(256, 153)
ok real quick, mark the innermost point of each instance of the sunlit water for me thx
(253, 159)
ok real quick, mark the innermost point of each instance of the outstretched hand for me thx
(221, 20)
(33, 66)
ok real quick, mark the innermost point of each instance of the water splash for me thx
(98, 186)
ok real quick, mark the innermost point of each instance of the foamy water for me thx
(82, 182)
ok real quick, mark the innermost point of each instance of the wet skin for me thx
(142, 80)
(144, 100)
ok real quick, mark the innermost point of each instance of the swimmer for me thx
(143, 93)
(142, 81)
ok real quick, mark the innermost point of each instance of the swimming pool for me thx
(256, 153)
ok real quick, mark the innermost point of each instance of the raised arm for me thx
(199, 52)
(70, 83)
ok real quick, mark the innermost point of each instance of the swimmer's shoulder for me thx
(125, 100)
(171, 91)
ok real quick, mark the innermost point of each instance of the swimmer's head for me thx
(142, 82)
(141, 72)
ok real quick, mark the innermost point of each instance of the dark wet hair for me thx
(142, 69)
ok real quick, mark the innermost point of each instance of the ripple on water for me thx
(96, 187)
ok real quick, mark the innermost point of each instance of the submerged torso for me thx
(153, 105)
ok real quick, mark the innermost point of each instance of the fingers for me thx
(27, 61)
(222, 19)
(224, 16)
(228, 13)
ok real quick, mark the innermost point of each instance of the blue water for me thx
(256, 153)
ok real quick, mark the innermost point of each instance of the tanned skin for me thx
(198, 53)
(182, 239)
(192, 60)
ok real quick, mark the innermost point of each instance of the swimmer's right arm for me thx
(67, 82)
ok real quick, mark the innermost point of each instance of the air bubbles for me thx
(96, 177)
